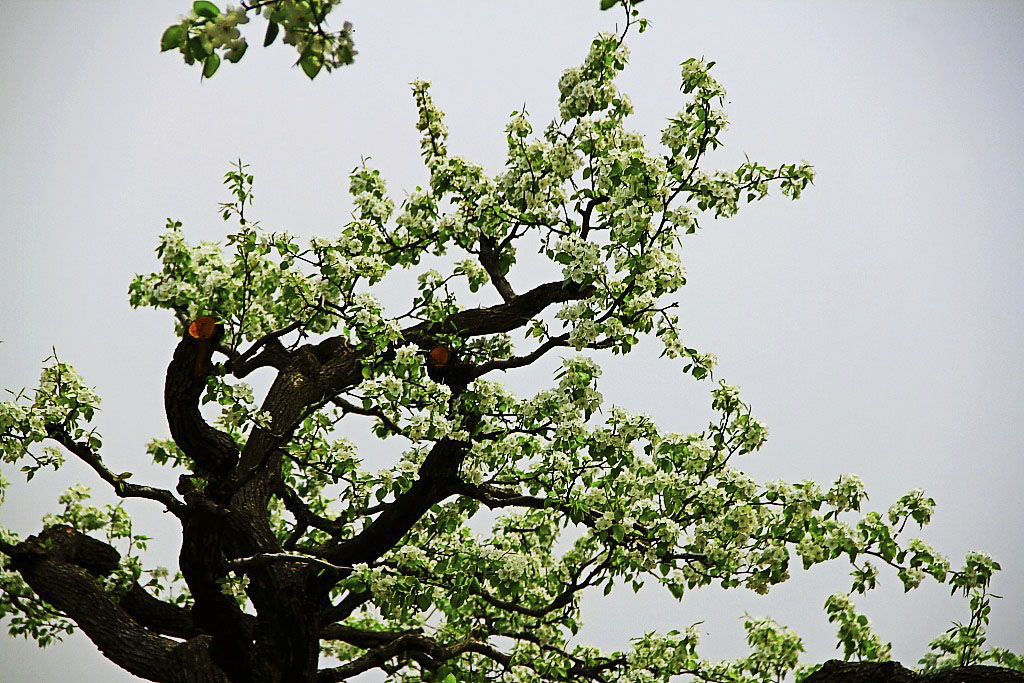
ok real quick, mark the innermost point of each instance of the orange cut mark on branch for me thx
(439, 356)
(202, 328)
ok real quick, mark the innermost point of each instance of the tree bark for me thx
(62, 565)
(835, 671)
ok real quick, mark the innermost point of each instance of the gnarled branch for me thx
(61, 566)
(210, 449)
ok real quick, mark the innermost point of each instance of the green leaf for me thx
(200, 47)
(311, 65)
(608, 4)
(210, 66)
(204, 8)
(450, 678)
(174, 37)
(234, 55)
(272, 30)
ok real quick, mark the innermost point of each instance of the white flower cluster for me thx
(935, 563)
(515, 567)
(381, 582)
(578, 382)
(526, 187)
(432, 425)
(775, 556)
(656, 657)
(775, 648)
(630, 218)
(13, 414)
(584, 332)
(61, 398)
(809, 549)
(579, 96)
(222, 32)
(415, 219)
(301, 21)
(62, 380)
(518, 125)
(912, 577)
(468, 181)
(488, 395)
(670, 341)
(804, 499)
(588, 89)
(797, 179)
(583, 259)
(683, 218)
(373, 207)
(563, 159)
(658, 270)
(721, 192)
(430, 123)
(840, 537)
(847, 493)
(407, 355)
(365, 310)
(695, 76)
(473, 272)
(977, 570)
(237, 401)
(679, 133)
(410, 555)
(913, 504)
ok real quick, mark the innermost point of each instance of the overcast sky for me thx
(875, 325)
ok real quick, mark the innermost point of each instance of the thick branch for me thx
(158, 616)
(489, 254)
(410, 644)
(202, 564)
(561, 600)
(437, 477)
(587, 212)
(369, 660)
(504, 317)
(303, 515)
(342, 368)
(267, 351)
(496, 497)
(362, 638)
(99, 559)
(349, 604)
(213, 451)
(835, 671)
(521, 361)
(60, 565)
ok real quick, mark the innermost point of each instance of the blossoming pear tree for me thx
(302, 559)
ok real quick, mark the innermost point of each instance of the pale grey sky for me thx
(875, 325)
